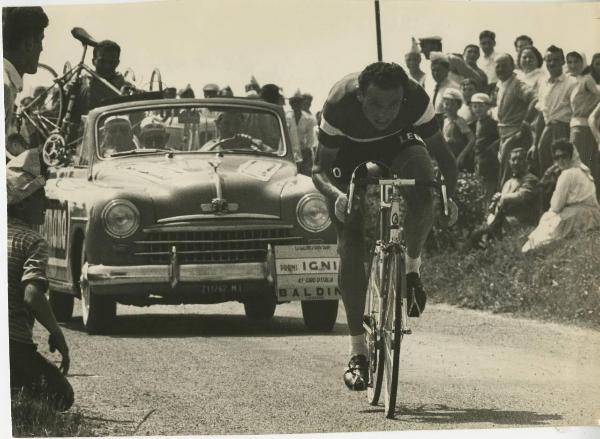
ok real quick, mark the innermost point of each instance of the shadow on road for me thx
(443, 414)
(203, 325)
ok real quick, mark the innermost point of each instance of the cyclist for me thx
(378, 115)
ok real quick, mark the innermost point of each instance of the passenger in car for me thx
(117, 136)
(230, 133)
(153, 133)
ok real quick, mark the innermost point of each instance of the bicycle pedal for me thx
(407, 331)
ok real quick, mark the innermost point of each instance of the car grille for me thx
(210, 247)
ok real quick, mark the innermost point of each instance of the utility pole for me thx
(378, 31)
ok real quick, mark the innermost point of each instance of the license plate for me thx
(307, 272)
(219, 288)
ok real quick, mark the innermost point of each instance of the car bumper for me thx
(164, 278)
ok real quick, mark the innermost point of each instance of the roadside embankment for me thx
(560, 282)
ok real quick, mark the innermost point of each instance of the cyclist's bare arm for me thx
(438, 148)
(324, 158)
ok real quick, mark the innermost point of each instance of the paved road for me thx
(205, 370)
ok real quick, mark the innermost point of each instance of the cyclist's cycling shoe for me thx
(416, 295)
(356, 376)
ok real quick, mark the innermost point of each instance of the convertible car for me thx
(174, 201)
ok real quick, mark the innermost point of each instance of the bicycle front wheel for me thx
(372, 325)
(393, 326)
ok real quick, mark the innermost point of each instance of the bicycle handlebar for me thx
(400, 182)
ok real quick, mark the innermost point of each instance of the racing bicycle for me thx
(385, 318)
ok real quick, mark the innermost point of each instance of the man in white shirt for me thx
(487, 63)
(22, 33)
(305, 126)
(555, 105)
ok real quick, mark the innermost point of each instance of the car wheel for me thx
(261, 308)
(62, 305)
(97, 312)
(320, 315)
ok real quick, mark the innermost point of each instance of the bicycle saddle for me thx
(81, 34)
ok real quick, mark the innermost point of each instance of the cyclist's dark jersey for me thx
(343, 117)
(350, 136)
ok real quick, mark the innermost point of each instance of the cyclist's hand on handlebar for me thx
(341, 206)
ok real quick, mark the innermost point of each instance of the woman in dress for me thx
(573, 207)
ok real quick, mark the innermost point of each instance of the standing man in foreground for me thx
(27, 283)
(378, 115)
(22, 33)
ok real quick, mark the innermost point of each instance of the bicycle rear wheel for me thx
(372, 324)
(393, 323)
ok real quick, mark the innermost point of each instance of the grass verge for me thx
(560, 282)
(35, 418)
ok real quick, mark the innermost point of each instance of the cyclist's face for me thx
(106, 62)
(381, 106)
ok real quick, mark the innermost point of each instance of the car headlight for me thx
(121, 218)
(312, 213)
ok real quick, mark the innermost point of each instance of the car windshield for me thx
(190, 129)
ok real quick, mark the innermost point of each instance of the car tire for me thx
(260, 309)
(320, 315)
(62, 305)
(97, 312)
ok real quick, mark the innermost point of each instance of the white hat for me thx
(23, 176)
(480, 98)
(452, 93)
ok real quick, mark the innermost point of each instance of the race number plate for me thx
(307, 272)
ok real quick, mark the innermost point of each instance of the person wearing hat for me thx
(187, 92)
(487, 142)
(22, 35)
(27, 282)
(378, 114)
(226, 92)
(153, 133)
(116, 136)
(304, 124)
(440, 68)
(458, 135)
(210, 91)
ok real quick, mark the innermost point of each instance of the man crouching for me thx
(27, 282)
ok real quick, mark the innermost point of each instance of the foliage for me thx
(35, 418)
(557, 282)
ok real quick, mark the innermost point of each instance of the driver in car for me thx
(118, 136)
(153, 133)
(229, 126)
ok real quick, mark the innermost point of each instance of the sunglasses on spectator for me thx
(560, 156)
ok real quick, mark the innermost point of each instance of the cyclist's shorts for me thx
(407, 156)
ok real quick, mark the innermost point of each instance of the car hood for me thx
(184, 186)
